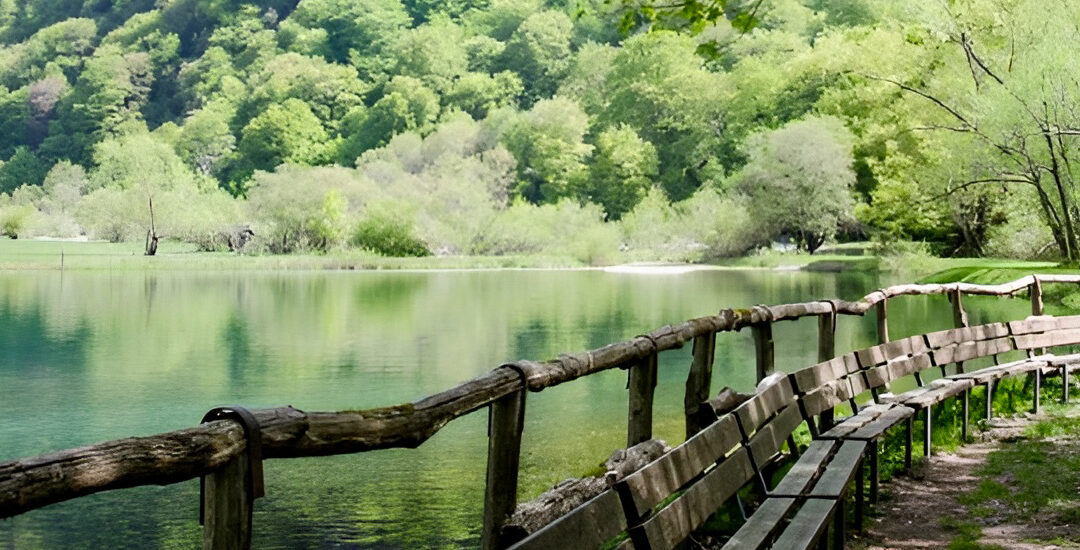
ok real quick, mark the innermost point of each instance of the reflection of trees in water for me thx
(326, 341)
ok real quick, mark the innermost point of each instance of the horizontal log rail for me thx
(172, 457)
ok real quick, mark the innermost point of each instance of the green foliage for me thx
(548, 142)
(660, 87)
(284, 134)
(23, 168)
(622, 171)
(940, 143)
(799, 180)
(539, 51)
(14, 218)
(388, 233)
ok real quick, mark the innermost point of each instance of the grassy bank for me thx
(47, 255)
(856, 257)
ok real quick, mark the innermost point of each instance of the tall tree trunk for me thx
(151, 235)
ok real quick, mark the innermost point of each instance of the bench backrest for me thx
(708, 469)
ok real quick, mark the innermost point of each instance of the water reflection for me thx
(96, 356)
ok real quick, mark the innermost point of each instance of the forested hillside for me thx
(489, 127)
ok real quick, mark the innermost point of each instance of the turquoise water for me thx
(92, 356)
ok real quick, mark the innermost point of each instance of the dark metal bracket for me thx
(253, 435)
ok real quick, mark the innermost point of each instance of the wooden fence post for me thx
(826, 350)
(699, 380)
(641, 383)
(960, 316)
(1035, 290)
(764, 349)
(882, 309)
(506, 419)
(227, 506)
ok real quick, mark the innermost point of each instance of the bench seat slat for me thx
(874, 430)
(840, 470)
(590, 525)
(930, 394)
(983, 376)
(667, 474)
(852, 423)
(807, 526)
(796, 480)
(672, 524)
(762, 525)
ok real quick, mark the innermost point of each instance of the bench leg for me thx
(989, 400)
(928, 432)
(874, 477)
(908, 444)
(1065, 384)
(964, 423)
(1038, 389)
(838, 533)
(859, 498)
(826, 420)
(793, 447)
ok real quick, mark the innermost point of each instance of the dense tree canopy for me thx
(470, 124)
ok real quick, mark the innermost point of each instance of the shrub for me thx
(388, 235)
(14, 219)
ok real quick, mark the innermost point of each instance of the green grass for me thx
(815, 262)
(968, 535)
(1033, 478)
(989, 271)
(42, 255)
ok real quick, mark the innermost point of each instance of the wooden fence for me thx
(219, 449)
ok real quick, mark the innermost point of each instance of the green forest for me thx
(598, 129)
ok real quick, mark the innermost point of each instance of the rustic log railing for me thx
(217, 449)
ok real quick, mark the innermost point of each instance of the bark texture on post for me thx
(506, 419)
(882, 309)
(227, 506)
(764, 349)
(699, 380)
(1035, 289)
(960, 316)
(642, 383)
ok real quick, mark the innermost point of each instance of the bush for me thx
(707, 225)
(388, 235)
(14, 219)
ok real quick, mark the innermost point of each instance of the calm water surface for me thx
(86, 357)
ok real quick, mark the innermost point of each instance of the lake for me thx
(91, 356)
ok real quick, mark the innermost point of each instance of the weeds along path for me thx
(1017, 486)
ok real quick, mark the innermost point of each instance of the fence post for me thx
(641, 383)
(882, 309)
(1035, 290)
(960, 316)
(506, 419)
(227, 506)
(826, 349)
(764, 349)
(699, 380)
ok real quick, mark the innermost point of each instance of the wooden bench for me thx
(840, 380)
(661, 505)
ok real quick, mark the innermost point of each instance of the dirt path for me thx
(924, 510)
